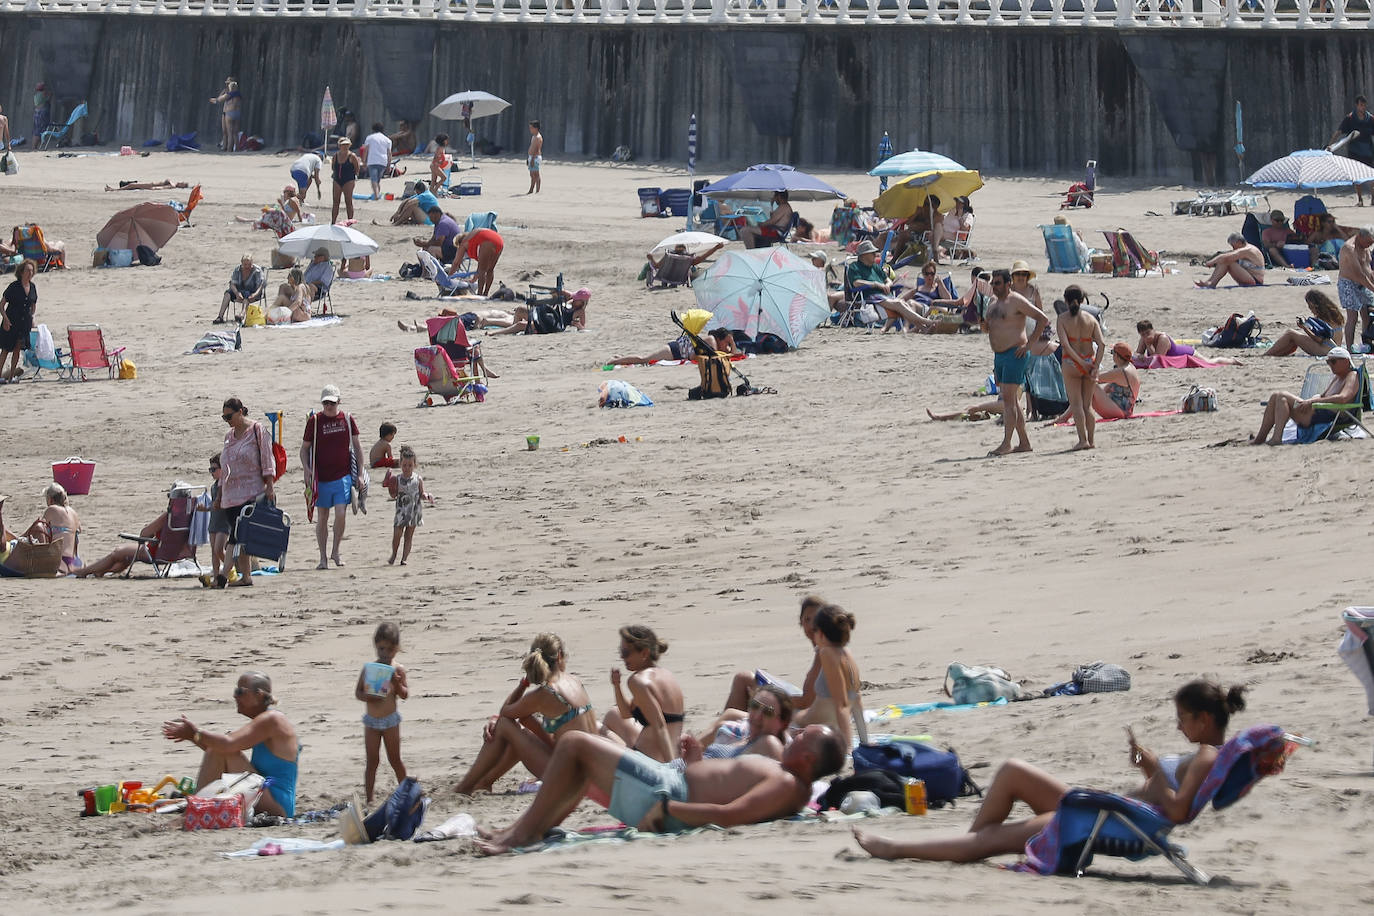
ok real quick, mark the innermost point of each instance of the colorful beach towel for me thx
(889, 713)
(1191, 361)
(1139, 415)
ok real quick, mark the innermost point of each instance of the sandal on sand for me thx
(245, 582)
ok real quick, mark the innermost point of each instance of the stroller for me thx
(715, 368)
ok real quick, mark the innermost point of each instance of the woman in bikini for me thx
(64, 524)
(1310, 337)
(1171, 783)
(744, 682)
(514, 735)
(1157, 343)
(837, 700)
(1083, 350)
(231, 110)
(759, 729)
(344, 167)
(649, 720)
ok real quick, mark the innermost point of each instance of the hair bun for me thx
(1235, 699)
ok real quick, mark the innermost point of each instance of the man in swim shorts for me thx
(1005, 322)
(535, 157)
(1355, 284)
(330, 449)
(660, 797)
(1244, 263)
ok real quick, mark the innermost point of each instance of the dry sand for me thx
(1158, 552)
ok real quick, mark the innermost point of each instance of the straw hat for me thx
(866, 247)
(1021, 267)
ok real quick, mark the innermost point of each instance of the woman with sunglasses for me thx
(649, 720)
(249, 471)
(269, 736)
(760, 729)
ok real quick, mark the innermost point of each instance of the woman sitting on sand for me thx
(59, 522)
(1171, 784)
(1157, 343)
(744, 682)
(838, 703)
(649, 720)
(1315, 338)
(293, 300)
(513, 736)
(269, 735)
(1117, 389)
(760, 729)
(164, 184)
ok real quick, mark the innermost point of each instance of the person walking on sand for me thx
(377, 154)
(410, 497)
(42, 112)
(1361, 146)
(535, 157)
(382, 721)
(1005, 321)
(330, 451)
(1355, 283)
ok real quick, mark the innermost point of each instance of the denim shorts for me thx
(640, 783)
(374, 172)
(334, 492)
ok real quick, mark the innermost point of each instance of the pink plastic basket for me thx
(74, 475)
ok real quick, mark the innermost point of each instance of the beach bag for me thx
(127, 369)
(213, 813)
(120, 257)
(715, 378)
(1101, 677)
(254, 316)
(148, 257)
(45, 349)
(888, 786)
(410, 271)
(1199, 400)
(34, 560)
(401, 815)
(546, 319)
(944, 777)
(1318, 328)
(979, 684)
(278, 454)
(9, 164)
(1236, 332)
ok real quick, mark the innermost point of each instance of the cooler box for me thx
(1297, 255)
(264, 531)
(469, 187)
(648, 201)
(74, 475)
(675, 200)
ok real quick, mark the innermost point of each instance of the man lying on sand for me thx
(656, 797)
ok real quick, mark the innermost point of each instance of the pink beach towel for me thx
(1191, 361)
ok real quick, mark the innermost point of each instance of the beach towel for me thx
(889, 713)
(275, 846)
(1139, 415)
(322, 322)
(1191, 361)
(615, 393)
(218, 342)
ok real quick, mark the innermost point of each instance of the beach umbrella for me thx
(144, 224)
(915, 162)
(884, 154)
(759, 182)
(764, 290)
(341, 242)
(1240, 137)
(466, 105)
(328, 117)
(694, 242)
(902, 199)
(1311, 170)
(691, 162)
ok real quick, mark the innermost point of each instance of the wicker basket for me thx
(35, 561)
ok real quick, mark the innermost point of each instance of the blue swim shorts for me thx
(375, 172)
(334, 492)
(1354, 297)
(302, 179)
(640, 783)
(382, 724)
(1008, 368)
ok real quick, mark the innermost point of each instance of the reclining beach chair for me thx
(59, 132)
(173, 541)
(676, 270)
(440, 378)
(29, 240)
(184, 210)
(485, 220)
(449, 333)
(38, 363)
(1129, 257)
(1092, 823)
(1062, 250)
(86, 343)
(1347, 415)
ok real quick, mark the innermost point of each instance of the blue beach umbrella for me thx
(1311, 170)
(914, 162)
(884, 153)
(760, 182)
(691, 164)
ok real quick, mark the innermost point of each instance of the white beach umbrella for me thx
(341, 242)
(481, 105)
(694, 242)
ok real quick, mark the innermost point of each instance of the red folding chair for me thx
(89, 353)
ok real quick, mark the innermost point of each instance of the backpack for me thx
(1236, 332)
(147, 256)
(546, 319)
(944, 777)
(889, 788)
(400, 815)
(410, 271)
(715, 378)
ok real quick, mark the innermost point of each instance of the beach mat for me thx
(1191, 361)
(1135, 416)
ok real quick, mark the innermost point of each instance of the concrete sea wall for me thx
(1146, 103)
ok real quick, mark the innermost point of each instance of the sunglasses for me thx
(227, 416)
(766, 708)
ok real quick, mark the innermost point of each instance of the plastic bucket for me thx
(74, 475)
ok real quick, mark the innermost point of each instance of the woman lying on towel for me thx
(1116, 391)
(1204, 709)
(762, 729)
(1314, 336)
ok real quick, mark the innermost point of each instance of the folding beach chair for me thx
(1347, 415)
(1081, 193)
(59, 132)
(1090, 823)
(485, 220)
(449, 284)
(1129, 257)
(1062, 250)
(39, 363)
(449, 333)
(441, 378)
(960, 250)
(173, 540)
(783, 237)
(1250, 229)
(86, 343)
(29, 239)
(675, 270)
(184, 210)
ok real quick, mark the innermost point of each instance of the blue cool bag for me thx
(939, 770)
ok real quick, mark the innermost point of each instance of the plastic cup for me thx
(104, 797)
(532, 443)
(128, 787)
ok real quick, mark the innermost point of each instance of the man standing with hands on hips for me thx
(331, 454)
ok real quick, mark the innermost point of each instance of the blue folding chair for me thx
(1062, 250)
(32, 360)
(60, 132)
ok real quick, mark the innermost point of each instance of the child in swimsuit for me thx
(382, 721)
(410, 496)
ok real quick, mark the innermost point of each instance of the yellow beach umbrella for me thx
(906, 194)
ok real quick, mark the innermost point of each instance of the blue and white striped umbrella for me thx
(914, 162)
(692, 145)
(884, 154)
(1311, 170)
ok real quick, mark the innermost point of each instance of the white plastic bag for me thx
(46, 349)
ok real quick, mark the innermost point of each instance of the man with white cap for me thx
(1282, 407)
(331, 454)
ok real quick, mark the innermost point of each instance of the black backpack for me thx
(1236, 332)
(887, 786)
(147, 256)
(546, 319)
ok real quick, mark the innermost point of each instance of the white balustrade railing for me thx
(1187, 14)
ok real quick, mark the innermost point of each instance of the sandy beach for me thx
(1174, 550)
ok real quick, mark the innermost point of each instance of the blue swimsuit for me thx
(282, 774)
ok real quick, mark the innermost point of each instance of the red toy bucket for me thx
(74, 475)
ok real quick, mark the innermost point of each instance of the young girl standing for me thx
(382, 721)
(410, 490)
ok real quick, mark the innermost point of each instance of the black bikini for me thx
(668, 717)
